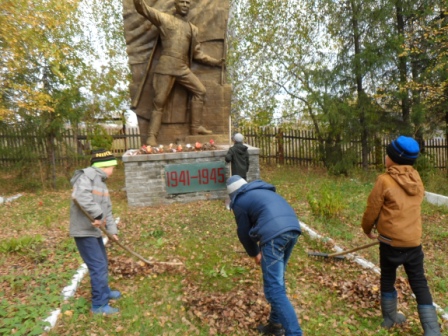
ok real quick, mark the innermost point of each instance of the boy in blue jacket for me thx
(268, 228)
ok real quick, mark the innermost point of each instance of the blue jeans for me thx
(275, 256)
(93, 253)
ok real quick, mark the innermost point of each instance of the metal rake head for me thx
(326, 256)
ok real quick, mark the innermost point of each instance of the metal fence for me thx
(277, 145)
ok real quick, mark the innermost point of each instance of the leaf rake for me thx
(339, 256)
(111, 238)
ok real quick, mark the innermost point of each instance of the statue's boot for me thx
(196, 118)
(143, 126)
(154, 127)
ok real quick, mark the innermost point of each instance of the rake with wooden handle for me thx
(340, 255)
(111, 237)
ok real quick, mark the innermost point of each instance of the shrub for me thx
(20, 244)
(327, 204)
(426, 167)
(100, 138)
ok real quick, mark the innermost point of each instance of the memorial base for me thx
(181, 177)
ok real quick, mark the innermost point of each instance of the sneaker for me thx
(107, 310)
(271, 329)
(113, 295)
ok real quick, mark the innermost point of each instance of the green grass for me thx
(217, 279)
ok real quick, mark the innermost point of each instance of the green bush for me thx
(99, 138)
(425, 166)
(20, 244)
(340, 162)
(328, 203)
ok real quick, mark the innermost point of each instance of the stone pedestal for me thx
(148, 179)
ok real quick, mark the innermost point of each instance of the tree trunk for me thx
(362, 101)
(403, 69)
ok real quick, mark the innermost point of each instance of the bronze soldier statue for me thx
(179, 48)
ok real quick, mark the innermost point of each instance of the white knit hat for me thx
(234, 183)
(238, 137)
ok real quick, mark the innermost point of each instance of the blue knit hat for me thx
(234, 183)
(403, 151)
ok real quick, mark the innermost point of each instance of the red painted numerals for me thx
(201, 176)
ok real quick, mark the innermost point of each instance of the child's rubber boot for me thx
(273, 329)
(389, 310)
(114, 295)
(104, 310)
(428, 318)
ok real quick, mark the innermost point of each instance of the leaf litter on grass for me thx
(237, 311)
(202, 234)
(122, 266)
(241, 309)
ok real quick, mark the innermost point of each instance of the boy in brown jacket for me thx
(394, 207)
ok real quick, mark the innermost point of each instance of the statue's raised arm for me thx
(149, 12)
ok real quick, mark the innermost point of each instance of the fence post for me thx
(280, 148)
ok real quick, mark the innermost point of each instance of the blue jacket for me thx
(261, 215)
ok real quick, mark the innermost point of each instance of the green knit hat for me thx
(102, 158)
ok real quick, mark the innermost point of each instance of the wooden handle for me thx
(353, 250)
(112, 238)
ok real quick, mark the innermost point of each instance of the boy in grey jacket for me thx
(91, 194)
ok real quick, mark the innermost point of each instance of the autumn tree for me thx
(60, 63)
(431, 85)
(317, 54)
(343, 67)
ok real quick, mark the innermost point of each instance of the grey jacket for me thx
(90, 190)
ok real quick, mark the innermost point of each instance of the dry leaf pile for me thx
(362, 291)
(225, 313)
(243, 308)
(127, 267)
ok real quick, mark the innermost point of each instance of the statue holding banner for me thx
(164, 46)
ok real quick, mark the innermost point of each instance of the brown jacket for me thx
(394, 205)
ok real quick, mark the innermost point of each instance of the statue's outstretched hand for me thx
(221, 62)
